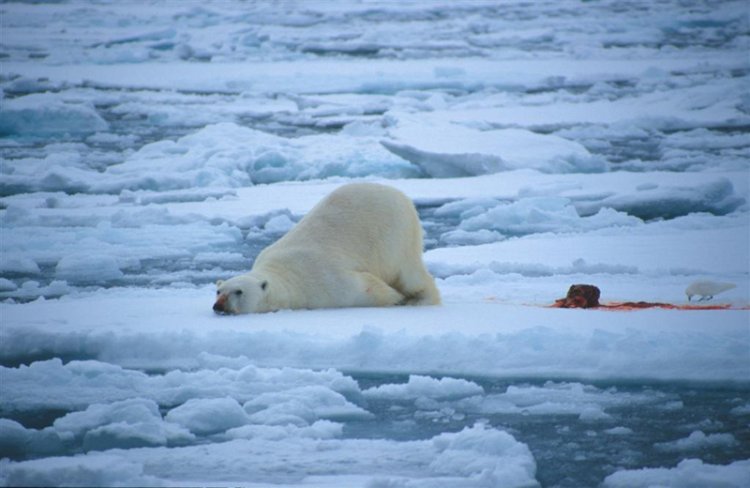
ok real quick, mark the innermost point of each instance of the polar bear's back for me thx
(366, 225)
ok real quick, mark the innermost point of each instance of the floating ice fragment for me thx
(697, 440)
(543, 214)
(619, 430)
(301, 406)
(492, 455)
(97, 470)
(689, 473)
(14, 264)
(14, 438)
(229, 155)
(46, 114)
(205, 416)
(88, 268)
(7, 285)
(741, 410)
(320, 429)
(460, 237)
(592, 413)
(425, 387)
(279, 224)
(716, 196)
(450, 150)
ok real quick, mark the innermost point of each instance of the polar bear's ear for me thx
(264, 285)
(219, 283)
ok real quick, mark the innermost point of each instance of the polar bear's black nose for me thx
(219, 305)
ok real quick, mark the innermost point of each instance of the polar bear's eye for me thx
(238, 292)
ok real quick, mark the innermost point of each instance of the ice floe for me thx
(146, 153)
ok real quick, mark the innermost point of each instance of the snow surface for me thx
(147, 152)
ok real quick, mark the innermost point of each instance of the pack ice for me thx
(146, 153)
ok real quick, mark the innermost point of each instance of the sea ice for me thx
(99, 470)
(146, 153)
(43, 114)
(689, 473)
(301, 406)
(450, 150)
(696, 441)
(425, 387)
(204, 416)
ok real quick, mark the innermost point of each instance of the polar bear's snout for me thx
(220, 306)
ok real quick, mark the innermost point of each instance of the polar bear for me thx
(361, 246)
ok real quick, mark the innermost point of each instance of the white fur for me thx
(361, 246)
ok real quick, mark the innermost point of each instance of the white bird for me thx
(707, 289)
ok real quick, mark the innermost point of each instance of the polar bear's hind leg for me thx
(418, 287)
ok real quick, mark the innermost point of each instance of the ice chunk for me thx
(279, 224)
(98, 470)
(47, 114)
(16, 441)
(14, 438)
(450, 150)
(320, 429)
(697, 440)
(543, 214)
(460, 237)
(126, 435)
(619, 430)
(717, 197)
(689, 473)
(131, 411)
(229, 155)
(593, 413)
(205, 416)
(77, 384)
(585, 401)
(425, 387)
(49, 384)
(492, 455)
(124, 424)
(7, 285)
(466, 208)
(88, 268)
(15, 264)
(220, 259)
(301, 406)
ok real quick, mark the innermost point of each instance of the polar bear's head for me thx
(241, 294)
